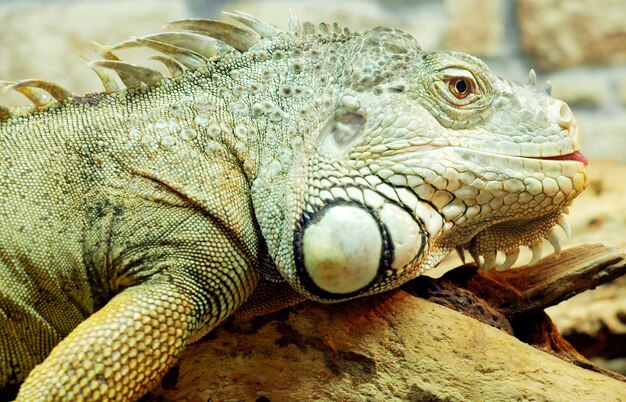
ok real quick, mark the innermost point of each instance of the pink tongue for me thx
(575, 156)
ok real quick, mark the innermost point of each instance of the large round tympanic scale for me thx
(342, 249)
(405, 234)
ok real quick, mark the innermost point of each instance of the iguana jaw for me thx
(425, 224)
(518, 210)
(463, 198)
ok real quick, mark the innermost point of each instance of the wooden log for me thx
(397, 346)
(514, 300)
(556, 279)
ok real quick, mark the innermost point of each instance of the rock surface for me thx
(595, 324)
(557, 33)
(393, 347)
(426, 20)
(478, 36)
(44, 39)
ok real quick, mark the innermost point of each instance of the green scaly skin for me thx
(339, 164)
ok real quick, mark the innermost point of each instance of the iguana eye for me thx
(460, 87)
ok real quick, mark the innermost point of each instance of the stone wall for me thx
(579, 45)
(44, 40)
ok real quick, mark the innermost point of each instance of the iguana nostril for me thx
(565, 117)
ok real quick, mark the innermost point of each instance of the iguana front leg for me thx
(119, 351)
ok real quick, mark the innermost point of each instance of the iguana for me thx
(269, 168)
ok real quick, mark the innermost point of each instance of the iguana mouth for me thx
(574, 156)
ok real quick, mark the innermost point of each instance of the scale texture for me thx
(268, 168)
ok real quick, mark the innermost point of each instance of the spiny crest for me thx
(532, 81)
(187, 44)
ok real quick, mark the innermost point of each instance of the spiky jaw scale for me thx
(507, 237)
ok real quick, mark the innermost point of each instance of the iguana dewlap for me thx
(319, 164)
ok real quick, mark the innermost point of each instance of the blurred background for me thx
(579, 45)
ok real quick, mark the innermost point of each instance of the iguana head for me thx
(419, 153)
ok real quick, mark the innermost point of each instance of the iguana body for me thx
(340, 164)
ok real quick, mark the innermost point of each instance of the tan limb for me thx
(122, 349)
